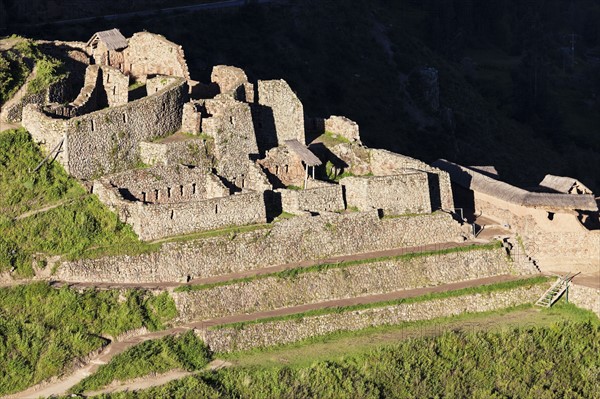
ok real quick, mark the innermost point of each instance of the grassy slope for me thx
(329, 54)
(186, 352)
(81, 222)
(42, 329)
(520, 353)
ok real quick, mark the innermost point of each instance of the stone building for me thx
(232, 153)
(557, 229)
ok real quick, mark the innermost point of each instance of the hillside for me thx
(505, 99)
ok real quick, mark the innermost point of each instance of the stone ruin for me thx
(172, 156)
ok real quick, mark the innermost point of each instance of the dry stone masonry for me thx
(237, 133)
(293, 240)
(273, 333)
(340, 283)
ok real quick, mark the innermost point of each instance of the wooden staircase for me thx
(555, 292)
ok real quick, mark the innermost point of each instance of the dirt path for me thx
(156, 380)
(62, 386)
(8, 125)
(44, 209)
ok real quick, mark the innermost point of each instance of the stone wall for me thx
(164, 220)
(384, 163)
(12, 110)
(562, 243)
(287, 331)
(166, 184)
(585, 297)
(344, 127)
(328, 198)
(354, 158)
(395, 195)
(108, 140)
(157, 83)
(230, 124)
(151, 54)
(284, 166)
(192, 117)
(287, 110)
(116, 86)
(232, 81)
(187, 151)
(339, 283)
(293, 240)
(184, 213)
(47, 132)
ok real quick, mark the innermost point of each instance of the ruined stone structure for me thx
(172, 157)
(344, 127)
(270, 333)
(281, 114)
(144, 54)
(293, 240)
(337, 283)
(395, 195)
(558, 230)
(249, 137)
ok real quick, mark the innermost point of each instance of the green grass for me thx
(291, 273)
(44, 329)
(332, 139)
(483, 289)
(70, 229)
(20, 189)
(15, 66)
(186, 352)
(555, 360)
(49, 71)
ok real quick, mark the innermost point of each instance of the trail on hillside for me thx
(62, 386)
(151, 381)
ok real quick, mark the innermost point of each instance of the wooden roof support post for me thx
(305, 175)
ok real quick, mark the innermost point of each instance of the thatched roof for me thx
(303, 152)
(475, 181)
(486, 170)
(564, 185)
(113, 39)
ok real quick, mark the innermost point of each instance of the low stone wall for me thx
(156, 221)
(384, 163)
(396, 195)
(328, 198)
(585, 297)
(381, 277)
(293, 240)
(287, 331)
